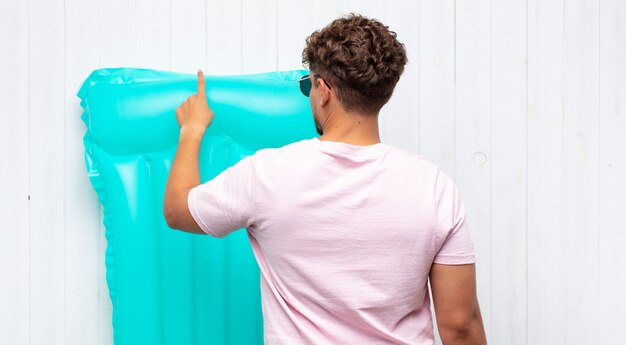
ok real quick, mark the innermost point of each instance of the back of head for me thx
(358, 56)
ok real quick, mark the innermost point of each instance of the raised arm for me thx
(194, 116)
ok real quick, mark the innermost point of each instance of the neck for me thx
(350, 128)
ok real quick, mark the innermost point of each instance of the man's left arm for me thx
(193, 116)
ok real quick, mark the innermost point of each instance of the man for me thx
(346, 230)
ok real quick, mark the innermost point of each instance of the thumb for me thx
(201, 87)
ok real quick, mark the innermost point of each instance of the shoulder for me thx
(415, 160)
(297, 148)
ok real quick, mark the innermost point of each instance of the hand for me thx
(194, 113)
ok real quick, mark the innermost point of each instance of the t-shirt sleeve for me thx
(225, 203)
(453, 236)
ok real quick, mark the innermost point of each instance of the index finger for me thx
(201, 87)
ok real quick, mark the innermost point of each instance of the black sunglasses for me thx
(305, 84)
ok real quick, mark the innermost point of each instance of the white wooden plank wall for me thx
(523, 102)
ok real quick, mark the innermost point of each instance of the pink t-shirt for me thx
(344, 236)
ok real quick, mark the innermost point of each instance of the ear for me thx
(324, 92)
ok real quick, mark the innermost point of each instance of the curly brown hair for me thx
(359, 57)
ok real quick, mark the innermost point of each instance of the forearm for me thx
(185, 172)
(193, 116)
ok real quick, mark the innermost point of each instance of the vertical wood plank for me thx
(118, 33)
(47, 172)
(546, 231)
(473, 154)
(401, 115)
(153, 39)
(224, 36)
(189, 23)
(580, 142)
(612, 169)
(325, 11)
(294, 23)
(259, 36)
(368, 8)
(88, 305)
(436, 82)
(508, 204)
(15, 304)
